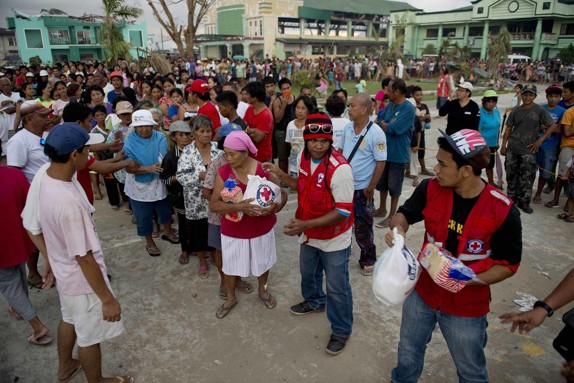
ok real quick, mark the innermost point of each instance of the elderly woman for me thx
(180, 134)
(191, 170)
(248, 246)
(489, 127)
(146, 191)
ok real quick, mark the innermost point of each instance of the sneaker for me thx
(336, 345)
(303, 308)
(525, 208)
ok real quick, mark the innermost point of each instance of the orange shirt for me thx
(568, 119)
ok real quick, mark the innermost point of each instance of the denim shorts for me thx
(392, 179)
(546, 159)
(143, 212)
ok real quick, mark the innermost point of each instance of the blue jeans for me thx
(364, 228)
(465, 337)
(339, 298)
(143, 211)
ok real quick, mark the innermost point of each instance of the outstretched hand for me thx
(525, 321)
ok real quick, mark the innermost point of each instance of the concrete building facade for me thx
(283, 28)
(58, 37)
(8, 47)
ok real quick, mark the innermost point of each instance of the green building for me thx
(55, 36)
(538, 28)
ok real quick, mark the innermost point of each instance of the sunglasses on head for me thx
(323, 128)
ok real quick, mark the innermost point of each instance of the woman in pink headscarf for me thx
(248, 244)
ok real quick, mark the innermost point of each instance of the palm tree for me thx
(499, 47)
(111, 38)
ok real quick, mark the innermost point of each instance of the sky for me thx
(32, 7)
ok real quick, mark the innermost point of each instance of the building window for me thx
(448, 32)
(432, 33)
(59, 36)
(567, 29)
(33, 38)
(84, 37)
(545, 5)
(261, 28)
(12, 41)
(475, 31)
(480, 10)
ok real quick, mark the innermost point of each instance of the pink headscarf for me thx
(239, 140)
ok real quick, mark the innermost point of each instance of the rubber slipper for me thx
(72, 374)
(222, 293)
(562, 216)
(173, 239)
(551, 204)
(183, 259)
(244, 287)
(537, 201)
(128, 211)
(270, 302)
(222, 311)
(124, 379)
(384, 223)
(367, 270)
(41, 341)
(153, 251)
(203, 272)
(36, 285)
(14, 313)
(379, 213)
(155, 234)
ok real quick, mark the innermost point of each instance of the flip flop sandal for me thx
(155, 234)
(537, 201)
(222, 311)
(384, 223)
(562, 216)
(72, 374)
(153, 251)
(183, 260)
(174, 238)
(124, 379)
(550, 204)
(244, 287)
(36, 285)
(128, 211)
(367, 271)
(41, 341)
(270, 302)
(222, 293)
(203, 272)
(569, 219)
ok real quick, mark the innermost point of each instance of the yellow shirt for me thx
(568, 119)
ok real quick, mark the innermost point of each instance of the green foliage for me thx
(430, 49)
(303, 78)
(567, 54)
(499, 47)
(111, 37)
(35, 60)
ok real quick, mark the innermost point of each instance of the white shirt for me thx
(242, 108)
(145, 192)
(338, 126)
(24, 151)
(7, 120)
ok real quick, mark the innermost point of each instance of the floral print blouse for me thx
(189, 166)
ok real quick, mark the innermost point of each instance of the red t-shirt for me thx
(262, 121)
(84, 179)
(209, 110)
(16, 245)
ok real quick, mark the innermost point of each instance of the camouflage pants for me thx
(520, 174)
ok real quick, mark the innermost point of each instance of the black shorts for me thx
(421, 152)
(493, 150)
(392, 179)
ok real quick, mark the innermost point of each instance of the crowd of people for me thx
(184, 144)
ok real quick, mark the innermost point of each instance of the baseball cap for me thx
(529, 88)
(466, 85)
(199, 86)
(179, 126)
(43, 73)
(489, 93)
(142, 118)
(554, 89)
(318, 125)
(116, 74)
(69, 136)
(124, 107)
(224, 130)
(470, 145)
(32, 106)
(29, 74)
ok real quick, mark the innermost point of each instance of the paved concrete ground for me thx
(173, 335)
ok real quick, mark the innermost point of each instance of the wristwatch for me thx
(548, 309)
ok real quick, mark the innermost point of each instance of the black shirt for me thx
(506, 242)
(460, 118)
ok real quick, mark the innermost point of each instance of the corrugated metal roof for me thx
(367, 7)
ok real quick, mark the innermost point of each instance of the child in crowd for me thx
(294, 134)
(415, 145)
(360, 88)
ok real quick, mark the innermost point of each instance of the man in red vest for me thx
(477, 224)
(323, 221)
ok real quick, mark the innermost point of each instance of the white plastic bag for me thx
(396, 273)
(263, 192)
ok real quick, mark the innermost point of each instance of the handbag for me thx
(564, 342)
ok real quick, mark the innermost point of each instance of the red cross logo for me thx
(475, 246)
(266, 193)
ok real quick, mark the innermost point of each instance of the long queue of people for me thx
(191, 150)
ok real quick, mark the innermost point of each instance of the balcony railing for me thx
(522, 36)
(60, 41)
(85, 41)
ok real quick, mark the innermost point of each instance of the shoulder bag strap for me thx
(359, 143)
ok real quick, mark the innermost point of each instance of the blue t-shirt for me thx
(489, 126)
(552, 141)
(562, 104)
(172, 111)
(400, 119)
(373, 148)
(112, 96)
